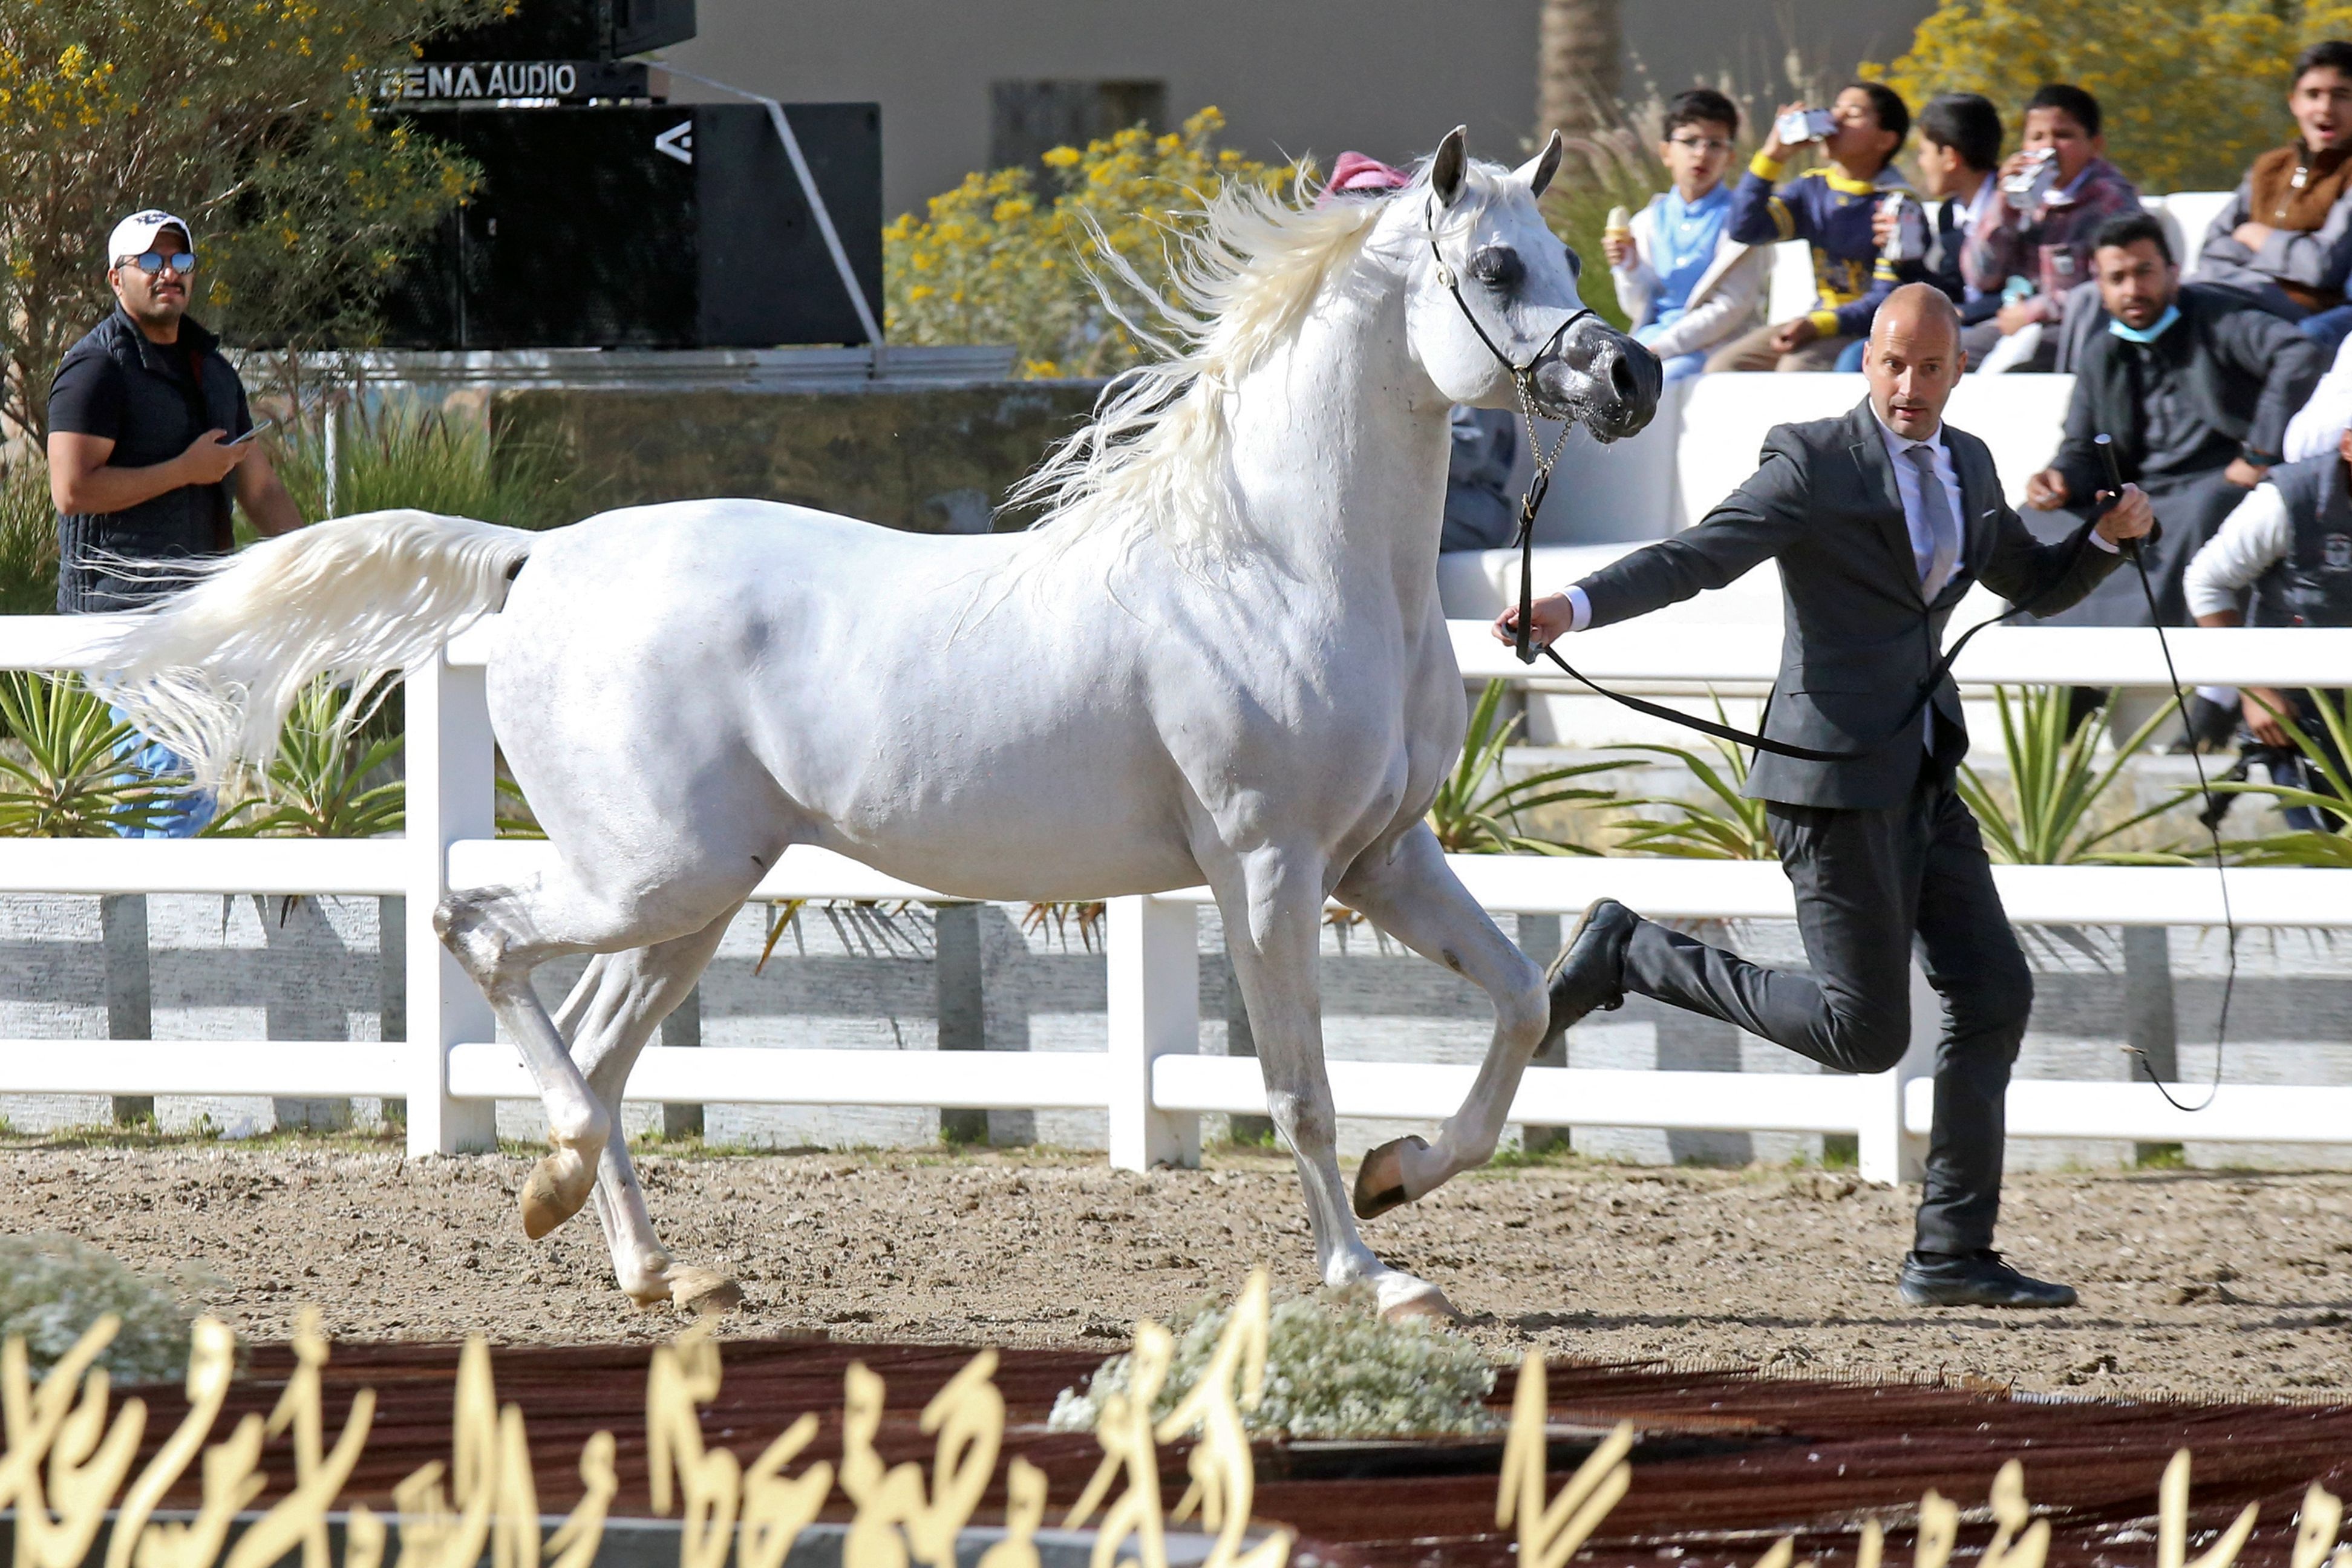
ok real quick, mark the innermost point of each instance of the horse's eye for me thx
(1498, 266)
(1575, 263)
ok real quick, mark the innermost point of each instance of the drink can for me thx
(1801, 125)
(2032, 183)
(1909, 240)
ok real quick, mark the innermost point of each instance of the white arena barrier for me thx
(1148, 1077)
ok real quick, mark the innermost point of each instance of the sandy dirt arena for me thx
(2193, 1284)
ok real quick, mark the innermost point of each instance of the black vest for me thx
(171, 395)
(2310, 585)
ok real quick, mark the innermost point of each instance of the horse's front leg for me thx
(1404, 886)
(1273, 908)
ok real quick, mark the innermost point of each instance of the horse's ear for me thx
(1453, 160)
(1538, 169)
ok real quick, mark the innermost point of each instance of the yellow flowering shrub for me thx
(996, 260)
(249, 117)
(2190, 90)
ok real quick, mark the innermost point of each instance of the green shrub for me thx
(28, 539)
(1330, 1371)
(405, 454)
(53, 1288)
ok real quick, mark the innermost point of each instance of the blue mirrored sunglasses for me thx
(153, 262)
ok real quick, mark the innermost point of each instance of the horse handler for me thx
(1880, 520)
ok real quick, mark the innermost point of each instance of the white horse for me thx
(1220, 658)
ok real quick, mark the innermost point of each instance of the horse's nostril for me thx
(1621, 379)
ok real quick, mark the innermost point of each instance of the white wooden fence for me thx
(1150, 1078)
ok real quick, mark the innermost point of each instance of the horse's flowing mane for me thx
(1247, 266)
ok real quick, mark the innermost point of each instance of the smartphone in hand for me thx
(249, 434)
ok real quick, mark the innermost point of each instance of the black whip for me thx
(2210, 818)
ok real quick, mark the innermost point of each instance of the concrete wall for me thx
(855, 978)
(932, 460)
(1386, 76)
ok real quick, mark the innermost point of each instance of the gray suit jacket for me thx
(1860, 639)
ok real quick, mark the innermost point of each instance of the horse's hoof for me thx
(1416, 1299)
(1379, 1180)
(556, 1189)
(704, 1291)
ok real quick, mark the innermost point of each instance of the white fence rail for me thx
(1150, 1078)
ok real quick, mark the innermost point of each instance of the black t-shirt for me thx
(85, 399)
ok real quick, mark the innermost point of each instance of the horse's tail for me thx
(212, 670)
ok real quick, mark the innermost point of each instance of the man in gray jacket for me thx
(1880, 521)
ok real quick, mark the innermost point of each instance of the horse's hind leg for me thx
(1273, 908)
(1405, 888)
(609, 1018)
(499, 935)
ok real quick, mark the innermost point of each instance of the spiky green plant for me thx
(1477, 812)
(317, 786)
(1723, 825)
(2305, 846)
(2056, 784)
(65, 777)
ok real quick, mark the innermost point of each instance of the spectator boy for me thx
(2194, 387)
(2032, 251)
(1830, 207)
(1959, 156)
(143, 464)
(2291, 543)
(2286, 239)
(1685, 283)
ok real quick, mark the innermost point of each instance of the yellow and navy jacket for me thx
(1831, 213)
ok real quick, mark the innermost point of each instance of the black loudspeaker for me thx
(660, 227)
(570, 29)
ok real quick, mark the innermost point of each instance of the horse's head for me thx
(1494, 294)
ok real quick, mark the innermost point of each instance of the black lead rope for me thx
(2211, 819)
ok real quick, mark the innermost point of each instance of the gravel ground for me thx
(2198, 1284)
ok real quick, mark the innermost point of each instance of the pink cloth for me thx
(1356, 175)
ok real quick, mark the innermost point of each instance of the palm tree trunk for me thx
(1578, 73)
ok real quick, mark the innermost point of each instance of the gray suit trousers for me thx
(1870, 885)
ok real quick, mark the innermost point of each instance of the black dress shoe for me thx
(1974, 1279)
(1589, 975)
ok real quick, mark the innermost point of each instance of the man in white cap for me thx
(144, 460)
(143, 419)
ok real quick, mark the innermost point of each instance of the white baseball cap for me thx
(136, 233)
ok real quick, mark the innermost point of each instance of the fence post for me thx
(1887, 1154)
(129, 988)
(450, 796)
(1154, 965)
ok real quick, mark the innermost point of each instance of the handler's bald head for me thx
(1914, 359)
(1914, 310)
